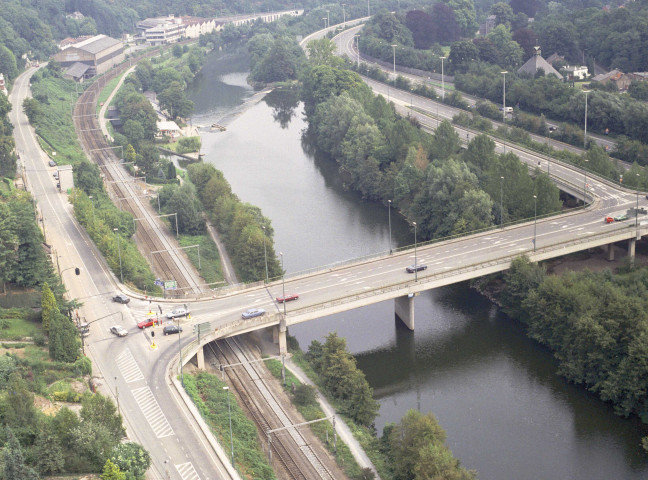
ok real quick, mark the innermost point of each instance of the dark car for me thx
(171, 329)
(253, 312)
(288, 298)
(52, 163)
(415, 268)
(121, 298)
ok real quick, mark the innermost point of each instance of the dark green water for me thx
(506, 413)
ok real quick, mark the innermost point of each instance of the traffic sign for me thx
(170, 285)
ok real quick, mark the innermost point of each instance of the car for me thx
(171, 329)
(253, 312)
(416, 268)
(620, 217)
(552, 128)
(55, 175)
(52, 163)
(288, 298)
(609, 219)
(146, 323)
(120, 298)
(118, 330)
(177, 312)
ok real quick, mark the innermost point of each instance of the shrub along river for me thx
(495, 392)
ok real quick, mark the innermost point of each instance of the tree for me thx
(132, 459)
(189, 210)
(100, 410)
(322, 52)
(88, 177)
(462, 53)
(8, 64)
(14, 461)
(48, 307)
(63, 339)
(112, 472)
(522, 277)
(174, 100)
(423, 28)
(503, 14)
(50, 458)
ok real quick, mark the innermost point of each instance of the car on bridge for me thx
(118, 330)
(416, 268)
(178, 312)
(621, 217)
(121, 298)
(171, 329)
(253, 312)
(146, 323)
(288, 298)
(608, 219)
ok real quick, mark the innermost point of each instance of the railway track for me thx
(152, 237)
(295, 454)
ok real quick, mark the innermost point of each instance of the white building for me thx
(161, 30)
(576, 72)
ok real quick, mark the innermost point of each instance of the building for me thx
(170, 129)
(620, 79)
(160, 30)
(535, 63)
(90, 57)
(196, 26)
(575, 72)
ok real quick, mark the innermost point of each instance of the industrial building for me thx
(90, 57)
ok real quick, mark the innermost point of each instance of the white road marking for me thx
(187, 471)
(128, 367)
(152, 411)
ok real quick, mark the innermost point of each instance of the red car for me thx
(609, 219)
(146, 323)
(288, 298)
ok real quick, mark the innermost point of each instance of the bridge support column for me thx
(610, 252)
(200, 358)
(279, 336)
(631, 249)
(404, 309)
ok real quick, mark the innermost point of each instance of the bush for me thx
(305, 395)
(39, 339)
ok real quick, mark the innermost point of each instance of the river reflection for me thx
(494, 391)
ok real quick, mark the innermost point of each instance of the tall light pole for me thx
(442, 80)
(389, 216)
(394, 49)
(328, 19)
(265, 254)
(368, 8)
(343, 16)
(415, 258)
(584, 181)
(504, 96)
(91, 201)
(357, 37)
(283, 283)
(637, 209)
(229, 410)
(117, 396)
(501, 201)
(121, 273)
(585, 135)
(324, 18)
(535, 219)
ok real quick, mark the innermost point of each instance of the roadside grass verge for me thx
(210, 261)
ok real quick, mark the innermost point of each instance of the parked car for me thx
(120, 298)
(288, 298)
(416, 268)
(118, 330)
(177, 312)
(171, 329)
(55, 175)
(609, 219)
(146, 323)
(253, 312)
(52, 163)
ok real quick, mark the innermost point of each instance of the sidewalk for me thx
(342, 429)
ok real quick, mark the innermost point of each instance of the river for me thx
(506, 413)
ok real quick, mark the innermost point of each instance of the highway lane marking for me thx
(152, 412)
(187, 471)
(128, 367)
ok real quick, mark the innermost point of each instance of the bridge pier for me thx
(404, 309)
(200, 358)
(631, 249)
(610, 252)
(279, 336)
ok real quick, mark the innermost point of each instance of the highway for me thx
(127, 368)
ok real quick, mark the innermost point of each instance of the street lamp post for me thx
(229, 410)
(93, 216)
(637, 208)
(501, 201)
(585, 135)
(324, 18)
(357, 37)
(389, 217)
(415, 258)
(535, 219)
(584, 181)
(343, 16)
(504, 97)
(265, 254)
(328, 19)
(442, 80)
(121, 273)
(394, 49)
(179, 351)
(283, 283)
